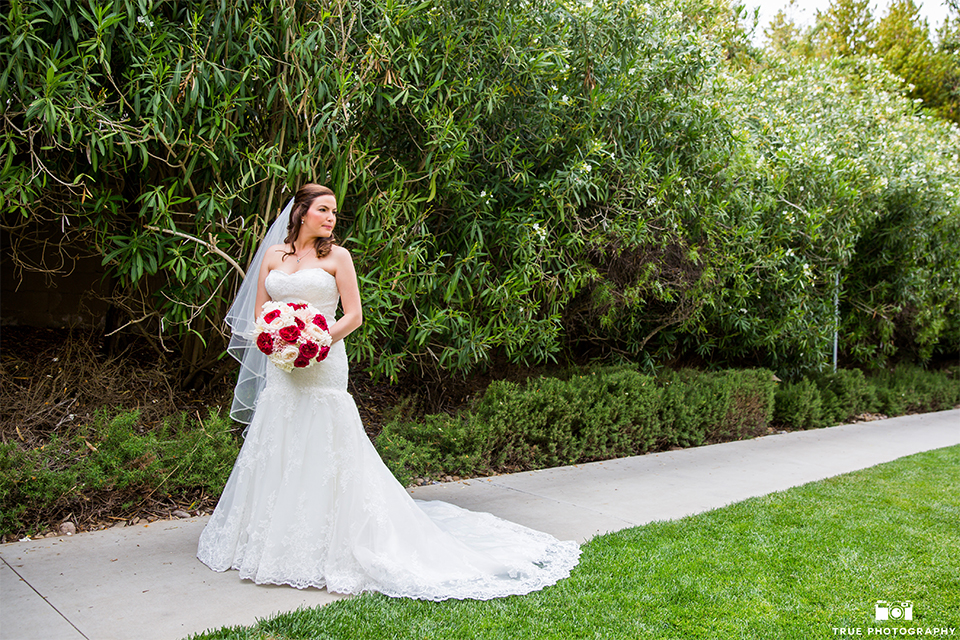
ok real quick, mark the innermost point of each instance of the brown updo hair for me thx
(301, 202)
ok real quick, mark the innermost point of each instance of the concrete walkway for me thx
(144, 582)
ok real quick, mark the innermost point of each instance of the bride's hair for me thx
(301, 202)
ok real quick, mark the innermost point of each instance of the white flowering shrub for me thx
(839, 176)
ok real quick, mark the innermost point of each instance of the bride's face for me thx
(321, 217)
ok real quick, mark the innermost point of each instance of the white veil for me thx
(241, 317)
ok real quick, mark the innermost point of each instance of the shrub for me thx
(590, 415)
(682, 409)
(845, 394)
(798, 405)
(910, 389)
(113, 458)
(725, 405)
(743, 401)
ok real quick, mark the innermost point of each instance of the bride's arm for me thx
(349, 295)
(269, 262)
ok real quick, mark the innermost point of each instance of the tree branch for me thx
(208, 245)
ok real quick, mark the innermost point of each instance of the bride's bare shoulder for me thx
(340, 255)
(273, 256)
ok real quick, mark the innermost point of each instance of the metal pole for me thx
(836, 318)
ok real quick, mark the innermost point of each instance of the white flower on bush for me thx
(540, 232)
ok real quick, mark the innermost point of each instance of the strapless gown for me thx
(309, 503)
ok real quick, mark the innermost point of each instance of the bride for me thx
(309, 503)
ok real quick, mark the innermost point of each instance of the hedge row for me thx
(582, 416)
(115, 462)
(614, 412)
(593, 415)
(839, 397)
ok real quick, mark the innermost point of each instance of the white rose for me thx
(286, 316)
(318, 335)
(284, 357)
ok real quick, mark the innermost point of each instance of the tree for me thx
(845, 29)
(902, 39)
(495, 161)
(782, 34)
(903, 42)
(948, 52)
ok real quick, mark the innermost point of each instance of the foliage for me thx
(847, 394)
(609, 412)
(908, 389)
(900, 37)
(481, 150)
(798, 405)
(591, 415)
(793, 564)
(848, 183)
(112, 456)
(536, 179)
(845, 28)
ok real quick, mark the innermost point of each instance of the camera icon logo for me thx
(894, 610)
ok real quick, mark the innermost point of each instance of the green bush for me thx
(727, 405)
(682, 409)
(742, 403)
(845, 394)
(589, 415)
(838, 397)
(517, 177)
(113, 455)
(798, 405)
(910, 389)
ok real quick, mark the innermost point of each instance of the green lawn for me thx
(802, 564)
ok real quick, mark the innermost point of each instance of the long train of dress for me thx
(310, 504)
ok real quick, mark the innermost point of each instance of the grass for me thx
(802, 563)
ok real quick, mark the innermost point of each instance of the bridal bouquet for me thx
(292, 334)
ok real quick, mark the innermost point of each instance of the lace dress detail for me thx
(310, 504)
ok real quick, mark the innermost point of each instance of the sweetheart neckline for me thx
(302, 270)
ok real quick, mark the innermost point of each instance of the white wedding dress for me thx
(310, 504)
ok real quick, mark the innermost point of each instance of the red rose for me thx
(265, 343)
(300, 323)
(301, 362)
(296, 307)
(320, 321)
(322, 354)
(270, 317)
(290, 334)
(308, 350)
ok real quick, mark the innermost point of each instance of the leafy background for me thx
(522, 181)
